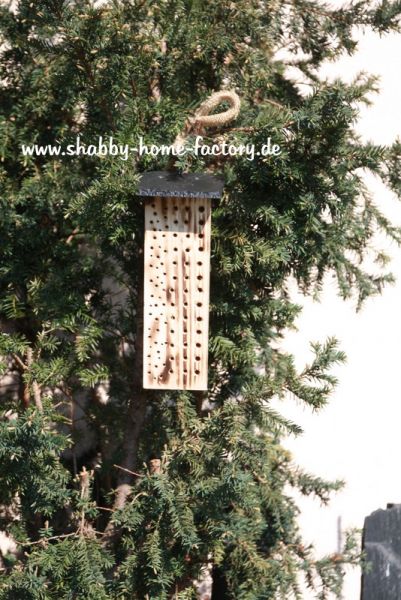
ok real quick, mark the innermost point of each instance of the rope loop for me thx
(203, 118)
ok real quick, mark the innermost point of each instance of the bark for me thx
(135, 417)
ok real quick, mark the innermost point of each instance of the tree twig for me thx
(128, 471)
(48, 539)
(37, 396)
(19, 362)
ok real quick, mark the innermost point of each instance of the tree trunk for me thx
(135, 417)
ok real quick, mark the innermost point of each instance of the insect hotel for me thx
(176, 278)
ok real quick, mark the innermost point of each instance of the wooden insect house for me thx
(176, 278)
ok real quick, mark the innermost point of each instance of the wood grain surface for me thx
(176, 293)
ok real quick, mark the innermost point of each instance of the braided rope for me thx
(203, 118)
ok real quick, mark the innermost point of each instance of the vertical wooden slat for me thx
(176, 293)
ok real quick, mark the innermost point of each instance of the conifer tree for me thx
(108, 490)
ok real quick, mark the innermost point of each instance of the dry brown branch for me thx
(128, 471)
(19, 362)
(155, 466)
(72, 235)
(37, 396)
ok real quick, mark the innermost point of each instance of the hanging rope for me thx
(202, 117)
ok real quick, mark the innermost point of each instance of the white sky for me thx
(357, 436)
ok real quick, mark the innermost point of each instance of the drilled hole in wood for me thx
(176, 222)
(198, 345)
(199, 263)
(197, 372)
(201, 248)
(201, 209)
(200, 289)
(201, 222)
(199, 319)
(198, 331)
(197, 357)
(199, 277)
(175, 234)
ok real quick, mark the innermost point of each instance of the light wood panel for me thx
(176, 293)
